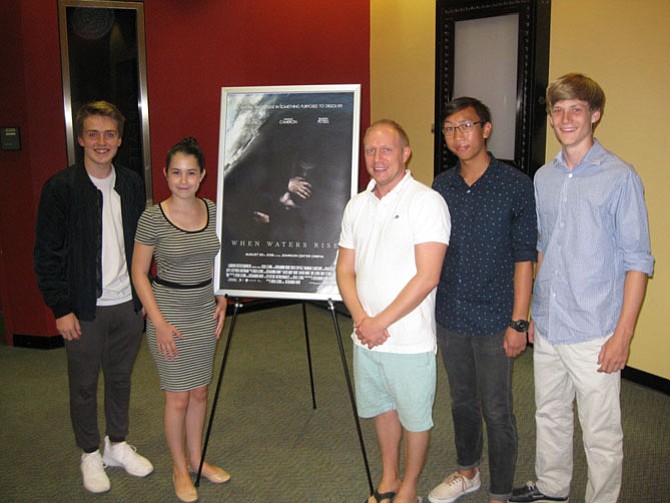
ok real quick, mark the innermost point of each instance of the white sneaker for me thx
(93, 473)
(453, 487)
(125, 455)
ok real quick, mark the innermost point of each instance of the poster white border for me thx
(234, 139)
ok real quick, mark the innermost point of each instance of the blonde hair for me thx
(404, 139)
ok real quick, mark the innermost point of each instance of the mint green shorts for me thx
(391, 381)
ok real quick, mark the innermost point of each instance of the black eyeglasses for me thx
(464, 128)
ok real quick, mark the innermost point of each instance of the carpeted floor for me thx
(277, 448)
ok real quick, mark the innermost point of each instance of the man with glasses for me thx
(594, 259)
(483, 298)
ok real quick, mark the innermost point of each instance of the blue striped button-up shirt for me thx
(593, 228)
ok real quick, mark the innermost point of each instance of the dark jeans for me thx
(480, 383)
(110, 342)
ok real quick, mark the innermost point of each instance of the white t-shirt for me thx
(383, 233)
(115, 280)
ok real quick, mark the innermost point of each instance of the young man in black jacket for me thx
(83, 249)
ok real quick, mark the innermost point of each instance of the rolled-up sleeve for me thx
(632, 227)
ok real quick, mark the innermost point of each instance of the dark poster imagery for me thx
(287, 167)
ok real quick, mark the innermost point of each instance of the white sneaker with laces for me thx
(125, 456)
(453, 487)
(93, 472)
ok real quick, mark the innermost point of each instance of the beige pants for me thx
(564, 372)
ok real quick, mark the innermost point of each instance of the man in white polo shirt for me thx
(392, 245)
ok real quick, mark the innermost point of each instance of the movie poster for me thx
(288, 164)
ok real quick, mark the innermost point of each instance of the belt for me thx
(171, 284)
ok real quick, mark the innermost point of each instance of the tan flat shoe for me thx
(215, 474)
(187, 493)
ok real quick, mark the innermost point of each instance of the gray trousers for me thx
(480, 384)
(110, 342)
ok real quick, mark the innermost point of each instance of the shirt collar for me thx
(395, 190)
(594, 157)
(454, 175)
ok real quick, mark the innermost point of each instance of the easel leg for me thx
(309, 353)
(331, 307)
(238, 305)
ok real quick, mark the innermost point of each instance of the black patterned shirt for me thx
(494, 225)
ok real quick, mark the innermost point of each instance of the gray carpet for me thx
(277, 448)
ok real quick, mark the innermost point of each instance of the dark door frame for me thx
(532, 73)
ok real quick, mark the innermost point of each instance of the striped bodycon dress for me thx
(184, 259)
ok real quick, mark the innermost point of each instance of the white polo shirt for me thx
(383, 233)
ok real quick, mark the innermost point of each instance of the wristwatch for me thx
(519, 325)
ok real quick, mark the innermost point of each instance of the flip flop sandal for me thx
(379, 497)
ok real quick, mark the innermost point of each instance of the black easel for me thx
(331, 308)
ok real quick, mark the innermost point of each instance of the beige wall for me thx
(623, 44)
(402, 73)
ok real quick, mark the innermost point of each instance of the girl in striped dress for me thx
(184, 317)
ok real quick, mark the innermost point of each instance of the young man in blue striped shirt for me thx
(593, 263)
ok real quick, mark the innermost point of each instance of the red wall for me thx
(216, 44)
(193, 49)
(30, 98)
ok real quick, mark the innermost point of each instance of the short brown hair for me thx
(103, 108)
(576, 86)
